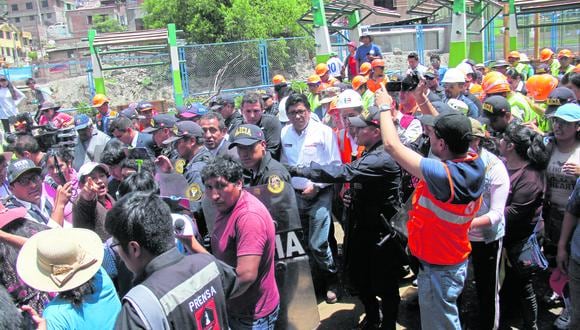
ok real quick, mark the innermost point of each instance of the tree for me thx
(206, 21)
(105, 24)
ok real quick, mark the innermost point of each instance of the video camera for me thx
(409, 83)
(49, 137)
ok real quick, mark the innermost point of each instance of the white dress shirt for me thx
(316, 143)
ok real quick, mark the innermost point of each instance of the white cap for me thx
(349, 99)
(453, 75)
(89, 167)
(465, 68)
(458, 105)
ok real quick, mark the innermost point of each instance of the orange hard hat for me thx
(99, 99)
(577, 68)
(546, 54)
(321, 69)
(278, 79)
(358, 81)
(379, 62)
(565, 53)
(540, 86)
(476, 89)
(365, 68)
(495, 82)
(514, 54)
(313, 79)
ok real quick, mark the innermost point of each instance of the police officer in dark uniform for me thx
(252, 109)
(374, 269)
(160, 129)
(225, 106)
(269, 181)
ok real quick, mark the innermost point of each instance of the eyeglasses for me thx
(25, 181)
(114, 245)
(559, 121)
(296, 113)
(429, 78)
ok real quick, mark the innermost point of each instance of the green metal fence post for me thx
(176, 73)
(353, 20)
(98, 79)
(321, 37)
(513, 27)
(458, 47)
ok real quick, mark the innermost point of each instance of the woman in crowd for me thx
(10, 97)
(487, 230)
(526, 157)
(60, 173)
(68, 261)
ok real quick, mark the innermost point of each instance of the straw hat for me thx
(60, 259)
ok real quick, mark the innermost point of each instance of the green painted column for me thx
(98, 78)
(476, 40)
(513, 27)
(353, 20)
(458, 47)
(321, 37)
(175, 70)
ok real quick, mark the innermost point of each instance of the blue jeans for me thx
(265, 323)
(315, 215)
(439, 287)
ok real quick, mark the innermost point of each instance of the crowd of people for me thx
(139, 219)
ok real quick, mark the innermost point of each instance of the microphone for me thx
(51, 182)
(179, 225)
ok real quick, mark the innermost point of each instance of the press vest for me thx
(189, 292)
(438, 230)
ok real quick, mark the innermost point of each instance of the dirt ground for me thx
(349, 311)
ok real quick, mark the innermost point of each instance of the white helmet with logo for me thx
(454, 75)
(349, 99)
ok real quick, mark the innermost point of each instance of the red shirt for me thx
(352, 67)
(248, 229)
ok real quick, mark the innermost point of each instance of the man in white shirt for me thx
(303, 142)
(413, 60)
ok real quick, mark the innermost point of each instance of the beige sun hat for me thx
(60, 259)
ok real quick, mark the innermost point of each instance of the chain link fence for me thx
(237, 66)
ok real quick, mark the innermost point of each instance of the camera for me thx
(409, 83)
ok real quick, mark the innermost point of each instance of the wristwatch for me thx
(385, 107)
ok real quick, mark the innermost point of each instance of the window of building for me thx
(16, 19)
(389, 4)
(48, 15)
(15, 7)
(89, 20)
(31, 18)
(44, 4)
(29, 5)
(8, 35)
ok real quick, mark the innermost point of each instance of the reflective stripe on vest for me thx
(172, 299)
(447, 215)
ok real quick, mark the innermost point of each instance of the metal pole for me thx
(554, 32)
(321, 36)
(175, 70)
(506, 32)
(99, 80)
(537, 36)
(16, 57)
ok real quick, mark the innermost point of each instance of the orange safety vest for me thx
(438, 230)
(345, 147)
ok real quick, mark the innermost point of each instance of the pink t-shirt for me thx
(248, 230)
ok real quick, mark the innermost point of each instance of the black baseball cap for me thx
(558, 97)
(500, 63)
(18, 167)
(184, 129)
(223, 100)
(246, 135)
(453, 127)
(144, 106)
(160, 121)
(495, 105)
(368, 117)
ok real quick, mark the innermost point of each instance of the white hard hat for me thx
(453, 75)
(465, 68)
(458, 105)
(349, 99)
(524, 58)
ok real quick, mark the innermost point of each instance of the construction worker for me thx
(565, 57)
(547, 57)
(365, 69)
(350, 67)
(494, 83)
(324, 74)
(350, 104)
(377, 76)
(454, 84)
(539, 88)
(314, 88)
(105, 115)
(500, 66)
(514, 60)
(359, 84)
